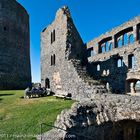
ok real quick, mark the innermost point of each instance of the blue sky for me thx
(91, 17)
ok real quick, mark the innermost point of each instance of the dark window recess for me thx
(53, 59)
(52, 36)
(5, 28)
(47, 83)
(138, 31)
(89, 52)
(131, 61)
(77, 55)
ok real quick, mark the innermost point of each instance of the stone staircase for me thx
(83, 74)
(90, 85)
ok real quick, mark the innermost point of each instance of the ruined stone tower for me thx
(15, 71)
(64, 59)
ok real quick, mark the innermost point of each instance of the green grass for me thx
(22, 117)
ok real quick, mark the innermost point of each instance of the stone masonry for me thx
(110, 61)
(64, 59)
(114, 57)
(105, 117)
(15, 70)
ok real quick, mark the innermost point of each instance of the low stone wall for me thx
(95, 118)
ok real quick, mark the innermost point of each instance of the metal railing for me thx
(68, 131)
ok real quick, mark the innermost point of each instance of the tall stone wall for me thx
(15, 70)
(61, 42)
(105, 52)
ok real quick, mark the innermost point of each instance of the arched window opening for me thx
(119, 63)
(110, 46)
(131, 39)
(104, 44)
(125, 39)
(93, 53)
(90, 52)
(137, 86)
(119, 43)
(47, 83)
(120, 35)
(107, 86)
(104, 73)
(98, 67)
(131, 61)
(108, 72)
(107, 46)
(103, 49)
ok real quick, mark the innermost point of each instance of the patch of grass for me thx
(21, 118)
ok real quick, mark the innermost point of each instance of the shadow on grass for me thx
(5, 94)
(34, 97)
(21, 97)
(1, 99)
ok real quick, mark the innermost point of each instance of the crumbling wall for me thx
(63, 57)
(107, 50)
(105, 117)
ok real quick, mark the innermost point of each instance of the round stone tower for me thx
(15, 69)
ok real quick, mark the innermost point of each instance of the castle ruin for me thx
(114, 57)
(107, 64)
(15, 69)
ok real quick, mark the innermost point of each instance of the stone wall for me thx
(107, 50)
(105, 117)
(63, 58)
(110, 54)
(64, 63)
(15, 70)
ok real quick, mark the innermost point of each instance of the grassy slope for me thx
(20, 116)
